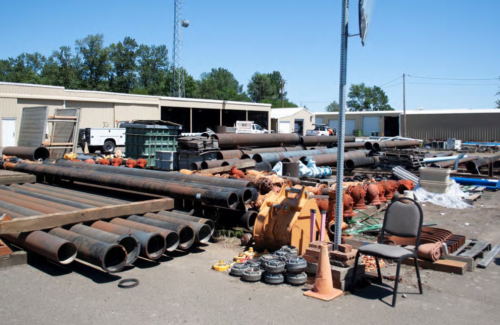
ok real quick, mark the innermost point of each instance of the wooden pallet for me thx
(469, 253)
(489, 257)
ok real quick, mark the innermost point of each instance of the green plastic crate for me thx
(142, 141)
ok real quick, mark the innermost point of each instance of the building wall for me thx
(465, 127)
(304, 115)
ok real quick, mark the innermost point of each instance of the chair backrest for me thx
(403, 218)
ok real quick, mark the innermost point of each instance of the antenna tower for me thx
(177, 86)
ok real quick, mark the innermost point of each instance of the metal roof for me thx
(420, 112)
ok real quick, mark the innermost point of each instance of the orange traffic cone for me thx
(323, 285)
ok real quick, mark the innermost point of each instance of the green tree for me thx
(152, 68)
(222, 85)
(61, 69)
(364, 98)
(191, 86)
(266, 88)
(123, 60)
(332, 107)
(94, 65)
(25, 68)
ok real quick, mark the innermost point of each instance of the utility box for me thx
(144, 138)
(454, 144)
(167, 160)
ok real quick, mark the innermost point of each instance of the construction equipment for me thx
(284, 219)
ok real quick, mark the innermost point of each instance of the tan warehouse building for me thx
(288, 120)
(464, 124)
(103, 109)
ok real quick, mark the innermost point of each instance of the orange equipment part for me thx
(389, 188)
(104, 161)
(405, 185)
(130, 163)
(381, 193)
(358, 194)
(142, 163)
(285, 219)
(89, 161)
(372, 194)
(236, 172)
(117, 162)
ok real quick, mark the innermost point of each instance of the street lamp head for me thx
(185, 23)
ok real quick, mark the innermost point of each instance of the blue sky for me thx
(456, 39)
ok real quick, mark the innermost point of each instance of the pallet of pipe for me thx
(8, 177)
(46, 221)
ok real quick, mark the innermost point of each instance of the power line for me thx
(453, 78)
(441, 84)
(391, 81)
(392, 85)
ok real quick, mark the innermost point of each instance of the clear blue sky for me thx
(299, 38)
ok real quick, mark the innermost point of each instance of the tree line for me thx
(129, 67)
(363, 98)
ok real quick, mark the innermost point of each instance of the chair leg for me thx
(353, 281)
(418, 276)
(378, 270)
(395, 294)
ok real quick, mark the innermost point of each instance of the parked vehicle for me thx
(320, 130)
(249, 127)
(103, 139)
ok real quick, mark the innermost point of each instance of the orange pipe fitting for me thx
(142, 163)
(389, 189)
(103, 161)
(381, 193)
(130, 163)
(89, 161)
(236, 172)
(348, 206)
(358, 194)
(117, 162)
(372, 194)
(405, 185)
(316, 190)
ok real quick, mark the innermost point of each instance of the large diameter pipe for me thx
(236, 162)
(187, 217)
(186, 233)
(202, 231)
(171, 238)
(128, 241)
(4, 190)
(229, 154)
(10, 213)
(228, 199)
(81, 193)
(231, 141)
(30, 153)
(27, 204)
(395, 144)
(151, 244)
(54, 248)
(47, 197)
(274, 157)
(217, 181)
(359, 162)
(331, 159)
(449, 163)
(110, 257)
(312, 140)
(481, 162)
(18, 209)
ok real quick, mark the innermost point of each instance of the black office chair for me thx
(403, 219)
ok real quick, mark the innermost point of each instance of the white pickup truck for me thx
(249, 127)
(320, 130)
(104, 140)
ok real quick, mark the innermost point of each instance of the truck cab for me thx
(320, 130)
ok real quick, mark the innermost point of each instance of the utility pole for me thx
(260, 92)
(341, 127)
(282, 92)
(404, 105)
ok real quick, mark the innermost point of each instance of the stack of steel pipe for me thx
(474, 165)
(331, 159)
(232, 141)
(308, 141)
(202, 231)
(274, 157)
(196, 192)
(30, 153)
(248, 154)
(360, 162)
(377, 146)
(192, 219)
(450, 163)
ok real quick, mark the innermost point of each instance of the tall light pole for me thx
(177, 88)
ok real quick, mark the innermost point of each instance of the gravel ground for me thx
(184, 289)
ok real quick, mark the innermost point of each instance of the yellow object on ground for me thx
(221, 266)
(250, 253)
(70, 155)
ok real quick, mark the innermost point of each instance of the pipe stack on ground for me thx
(377, 146)
(331, 159)
(474, 165)
(231, 141)
(309, 141)
(274, 157)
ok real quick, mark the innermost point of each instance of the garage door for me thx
(284, 127)
(370, 124)
(350, 125)
(319, 120)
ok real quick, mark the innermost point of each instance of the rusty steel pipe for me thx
(73, 198)
(110, 257)
(481, 162)
(231, 141)
(128, 241)
(187, 217)
(233, 183)
(34, 200)
(312, 140)
(151, 244)
(228, 199)
(47, 197)
(202, 231)
(361, 161)
(29, 205)
(195, 165)
(331, 159)
(449, 163)
(274, 157)
(186, 233)
(170, 237)
(395, 144)
(235, 162)
(30, 153)
(54, 248)
(18, 209)
(240, 218)
(354, 145)
(10, 213)
(211, 164)
(95, 197)
(229, 154)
